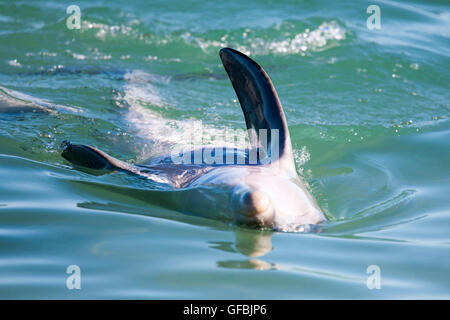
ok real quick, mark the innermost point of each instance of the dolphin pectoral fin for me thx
(92, 158)
(260, 104)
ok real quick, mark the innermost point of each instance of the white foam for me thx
(15, 63)
(104, 30)
(308, 40)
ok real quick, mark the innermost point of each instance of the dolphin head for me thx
(275, 202)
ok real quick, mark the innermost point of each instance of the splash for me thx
(143, 99)
(299, 228)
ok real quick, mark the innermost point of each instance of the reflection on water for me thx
(256, 264)
(248, 242)
(251, 243)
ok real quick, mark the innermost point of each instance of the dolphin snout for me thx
(254, 203)
(253, 207)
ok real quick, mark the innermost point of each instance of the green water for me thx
(368, 112)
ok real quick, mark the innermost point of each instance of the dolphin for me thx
(266, 193)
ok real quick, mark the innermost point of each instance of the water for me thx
(368, 112)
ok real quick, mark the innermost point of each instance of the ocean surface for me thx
(368, 111)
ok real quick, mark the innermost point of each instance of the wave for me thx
(15, 101)
(250, 41)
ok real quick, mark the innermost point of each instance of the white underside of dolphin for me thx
(268, 193)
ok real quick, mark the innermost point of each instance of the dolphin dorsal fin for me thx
(260, 104)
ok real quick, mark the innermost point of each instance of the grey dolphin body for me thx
(268, 194)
